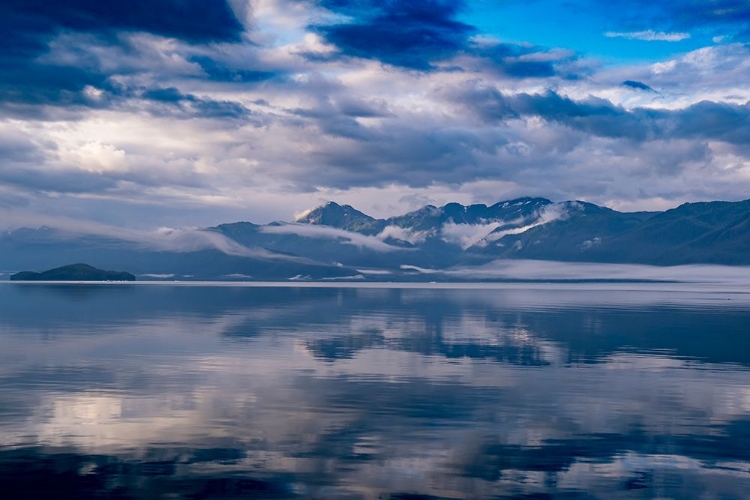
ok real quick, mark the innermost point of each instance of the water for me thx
(505, 391)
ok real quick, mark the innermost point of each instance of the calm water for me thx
(515, 391)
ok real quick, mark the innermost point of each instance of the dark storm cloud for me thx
(416, 34)
(407, 33)
(217, 71)
(487, 102)
(529, 69)
(711, 120)
(330, 121)
(517, 61)
(169, 95)
(195, 21)
(76, 181)
(705, 120)
(402, 149)
(361, 109)
(593, 115)
(67, 181)
(28, 27)
(338, 117)
(410, 155)
(171, 102)
(26, 81)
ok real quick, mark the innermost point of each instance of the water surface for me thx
(503, 391)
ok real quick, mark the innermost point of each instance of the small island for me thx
(73, 272)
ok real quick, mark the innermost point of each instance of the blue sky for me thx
(194, 112)
(581, 27)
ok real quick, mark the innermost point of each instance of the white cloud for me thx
(168, 239)
(467, 235)
(94, 156)
(700, 275)
(345, 237)
(422, 270)
(404, 234)
(301, 215)
(548, 214)
(649, 36)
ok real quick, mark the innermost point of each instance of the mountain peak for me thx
(525, 200)
(341, 216)
(324, 214)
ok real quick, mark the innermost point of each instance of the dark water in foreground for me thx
(525, 391)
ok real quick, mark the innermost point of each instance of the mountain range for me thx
(340, 242)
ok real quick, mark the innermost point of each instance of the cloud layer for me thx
(197, 112)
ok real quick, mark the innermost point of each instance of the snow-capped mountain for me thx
(340, 242)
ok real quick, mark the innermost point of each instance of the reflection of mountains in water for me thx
(217, 392)
(509, 348)
(503, 325)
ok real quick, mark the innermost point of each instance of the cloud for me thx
(56, 181)
(225, 71)
(25, 81)
(161, 239)
(715, 11)
(592, 115)
(412, 34)
(33, 28)
(637, 85)
(191, 240)
(178, 105)
(649, 36)
(673, 17)
(198, 21)
(705, 120)
(345, 237)
(18, 147)
(10, 200)
(467, 235)
(548, 270)
(420, 270)
(548, 214)
(519, 61)
(404, 234)
(119, 116)
(719, 121)
(714, 75)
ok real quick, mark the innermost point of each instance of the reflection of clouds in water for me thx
(97, 422)
(421, 394)
(608, 397)
(677, 476)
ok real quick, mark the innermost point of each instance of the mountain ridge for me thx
(335, 241)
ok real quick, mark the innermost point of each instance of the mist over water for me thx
(506, 391)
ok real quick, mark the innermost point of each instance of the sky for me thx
(189, 113)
